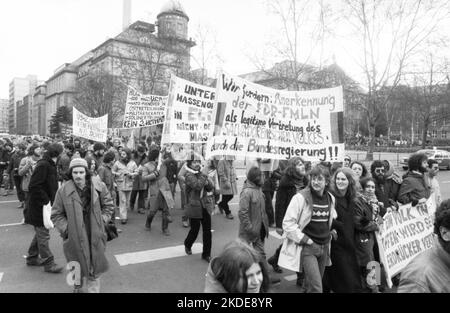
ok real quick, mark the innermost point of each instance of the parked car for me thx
(442, 156)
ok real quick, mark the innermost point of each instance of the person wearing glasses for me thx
(367, 220)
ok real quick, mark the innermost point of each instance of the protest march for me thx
(282, 146)
(374, 224)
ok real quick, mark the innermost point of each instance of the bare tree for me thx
(100, 94)
(205, 54)
(304, 27)
(388, 34)
(428, 94)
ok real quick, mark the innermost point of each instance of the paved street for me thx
(154, 270)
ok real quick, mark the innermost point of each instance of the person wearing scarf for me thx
(367, 218)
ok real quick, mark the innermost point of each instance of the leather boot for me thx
(165, 226)
(148, 222)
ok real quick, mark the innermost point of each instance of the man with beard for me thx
(429, 272)
(99, 151)
(82, 206)
(414, 187)
(384, 190)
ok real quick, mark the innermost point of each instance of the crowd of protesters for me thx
(329, 211)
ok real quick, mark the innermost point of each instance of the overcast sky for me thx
(38, 36)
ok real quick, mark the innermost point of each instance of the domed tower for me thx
(173, 21)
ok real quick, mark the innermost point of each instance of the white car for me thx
(441, 156)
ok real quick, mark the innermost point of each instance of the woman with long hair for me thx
(293, 180)
(124, 170)
(238, 269)
(367, 218)
(343, 274)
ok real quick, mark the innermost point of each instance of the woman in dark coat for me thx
(293, 180)
(367, 216)
(343, 275)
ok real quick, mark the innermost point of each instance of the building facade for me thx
(19, 88)
(39, 112)
(143, 56)
(4, 114)
(60, 91)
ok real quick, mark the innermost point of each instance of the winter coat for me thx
(5, 157)
(285, 192)
(13, 167)
(252, 213)
(227, 177)
(212, 285)
(413, 188)
(343, 276)
(42, 189)
(297, 217)
(105, 174)
(26, 168)
(124, 182)
(67, 216)
(429, 272)
(172, 170)
(197, 185)
(138, 183)
(365, 228)
(159, 192)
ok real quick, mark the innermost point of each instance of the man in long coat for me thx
(82, 207)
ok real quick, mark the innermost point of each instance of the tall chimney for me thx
(126, 14)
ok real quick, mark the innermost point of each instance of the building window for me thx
(444, 134)
(434, 134)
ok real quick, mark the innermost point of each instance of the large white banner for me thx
(404, 234)
(143, 110)
(188, 121)
(92, 128)
(255, 121)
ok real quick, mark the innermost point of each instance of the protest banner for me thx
(92, 128)
(188, 121)
(259, 122)
(404, 234)
(143, 110)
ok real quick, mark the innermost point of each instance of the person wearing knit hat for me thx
(81, 206)
(78, 162)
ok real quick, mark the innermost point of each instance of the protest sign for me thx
(188, 121)
(92, 128)
(404, 234)
(255, 121)
(143, 110)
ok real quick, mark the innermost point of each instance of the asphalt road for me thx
(168, 270)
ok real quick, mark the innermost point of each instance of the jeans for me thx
(40, 247)
(124, 201)
(224, 203)
(195, 228)
(314, 259)
(141, 200)
(18, 183)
